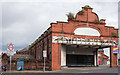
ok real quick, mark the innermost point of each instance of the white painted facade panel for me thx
(63, 55)
(95, 59)
(80, 51)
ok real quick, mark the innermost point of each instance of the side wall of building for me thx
(44, 42)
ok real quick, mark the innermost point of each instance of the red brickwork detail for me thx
(67, 29)
(113, 58)
(81, 21)
(91, 15)
(56, 56)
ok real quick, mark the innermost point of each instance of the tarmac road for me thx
(60, 74)
(119, 67)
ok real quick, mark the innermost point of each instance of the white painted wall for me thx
(80, 50)
(63, 55)
(95, 59)
(87, 31)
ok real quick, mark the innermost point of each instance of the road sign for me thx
(20, 65)
(44, 53)
(10, 47)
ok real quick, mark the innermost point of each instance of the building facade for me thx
(102, 58)
(65, 48)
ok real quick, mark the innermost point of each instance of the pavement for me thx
(60, 74)
(100, 69)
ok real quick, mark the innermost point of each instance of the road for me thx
(119, 66)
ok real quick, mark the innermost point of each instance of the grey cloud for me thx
(24, 22)
(59, 1)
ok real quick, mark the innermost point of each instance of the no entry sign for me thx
(10, 47)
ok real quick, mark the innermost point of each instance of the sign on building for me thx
(20, 65)
(44, 53)
(115, 49)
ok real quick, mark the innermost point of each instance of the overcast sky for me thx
(22, 21)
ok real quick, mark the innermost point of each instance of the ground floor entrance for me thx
(79, 60)
(74, 55)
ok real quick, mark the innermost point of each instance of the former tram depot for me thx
(65, 48)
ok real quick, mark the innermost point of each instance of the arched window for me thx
(86, 31)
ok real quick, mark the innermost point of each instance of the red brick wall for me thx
(81, 21)
(91, 15)
(4, 59)
(44, 42)
(56, 56)
(68, 28)
(114, 58)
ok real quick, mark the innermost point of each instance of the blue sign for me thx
(20, 65)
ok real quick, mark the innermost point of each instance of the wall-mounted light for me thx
(101, 38)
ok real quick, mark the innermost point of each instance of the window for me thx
(6, 61)
(86, 31)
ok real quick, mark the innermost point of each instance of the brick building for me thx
(65, 48)
(102, 58)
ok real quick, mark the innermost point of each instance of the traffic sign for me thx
(10, 47)
(44, 53)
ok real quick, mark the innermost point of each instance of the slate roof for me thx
(22, 57)
(25, 49)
